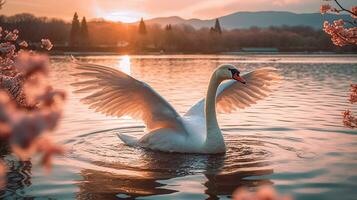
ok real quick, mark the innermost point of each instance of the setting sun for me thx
(122, 16)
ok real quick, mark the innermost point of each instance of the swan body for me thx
(115, 93)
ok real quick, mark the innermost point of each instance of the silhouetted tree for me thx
(217, 27)
(84, 36)
(75, 31)
(168, 43)
(168, 27)
(142, 27)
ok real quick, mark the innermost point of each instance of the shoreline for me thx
(94, 53)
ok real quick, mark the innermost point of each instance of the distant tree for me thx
(168, 27)
(142, 27)
(168, 43)
(217, 27)
(84, 36)
(75, 31)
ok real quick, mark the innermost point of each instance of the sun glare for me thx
(125, 64)
(123, 16)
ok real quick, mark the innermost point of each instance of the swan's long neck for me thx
(214, 138)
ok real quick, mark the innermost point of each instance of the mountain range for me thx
(258, 19)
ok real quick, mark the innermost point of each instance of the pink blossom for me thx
(349, 120)
(15, 31)
(353, 95)
(24, 44)
(7, 48)
(46, 44)
(339, 22)
(340, 35)
(11, 36)
(354, 10)
(325, 8)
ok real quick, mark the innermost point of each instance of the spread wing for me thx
(232, 95)
(115, 93)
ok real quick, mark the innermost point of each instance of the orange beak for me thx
(238, 78)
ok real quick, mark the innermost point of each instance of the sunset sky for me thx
(131, 10)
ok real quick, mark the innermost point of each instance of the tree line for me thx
(170, 38)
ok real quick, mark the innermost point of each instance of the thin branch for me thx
(345, 39)
(351, 22)
(344, 9)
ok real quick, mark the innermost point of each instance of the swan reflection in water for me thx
(147, 173)
(156, 173)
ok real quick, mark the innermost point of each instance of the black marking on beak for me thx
(235, 75)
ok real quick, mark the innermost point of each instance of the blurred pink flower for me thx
(262, 193)
(2, 2)
(242, 194)
(2, 174)
(29, 107)
(29, 63)
(41, 145)
(49, 149)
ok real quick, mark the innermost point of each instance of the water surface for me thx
(294, 139)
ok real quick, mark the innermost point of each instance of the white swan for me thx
(115, 93)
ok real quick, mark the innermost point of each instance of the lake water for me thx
(294, 139)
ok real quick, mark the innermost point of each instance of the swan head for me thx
(228, 71)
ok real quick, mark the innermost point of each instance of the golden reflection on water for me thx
(125, 64)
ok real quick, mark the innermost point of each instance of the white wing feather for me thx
(115, 93)
(232, 95)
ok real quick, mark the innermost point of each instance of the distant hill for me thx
(249, 19)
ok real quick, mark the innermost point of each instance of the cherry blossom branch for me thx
(344, 9)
